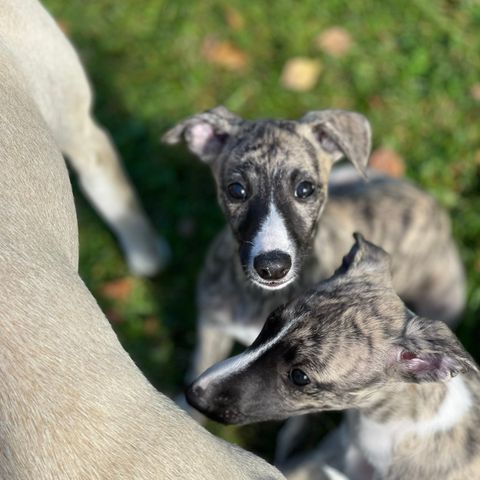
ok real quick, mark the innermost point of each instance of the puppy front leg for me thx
(213, 345)
(356, 465)
(289, 436)
(336, 457)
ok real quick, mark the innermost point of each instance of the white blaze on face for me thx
(272, 235)
(240, 362)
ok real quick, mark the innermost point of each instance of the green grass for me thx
(410, 71)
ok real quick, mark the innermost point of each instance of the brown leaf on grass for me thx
(64, 26)
(335, 41)
(114, 317)
(234, 18)
(475, 91)
(119, 289)
(477, 157)
(224, 54)
(301, 73)
(376, 102)
(151, 326)
(387, 161)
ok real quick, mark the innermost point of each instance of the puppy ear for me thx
(366, 258)
(205, 133)
(428, 351)
(342, 133)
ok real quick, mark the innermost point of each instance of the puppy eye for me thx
(304, 190)
(237, 191)
(299, 377)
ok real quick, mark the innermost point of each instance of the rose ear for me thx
(366, 258)
(428, 351)
(342, 133)
(205, 133)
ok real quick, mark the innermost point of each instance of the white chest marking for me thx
(377, 440)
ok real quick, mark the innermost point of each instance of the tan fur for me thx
(72, 403)
(49, 69)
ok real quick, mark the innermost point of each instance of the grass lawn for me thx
(412, 68)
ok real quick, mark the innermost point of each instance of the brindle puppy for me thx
(274, 178)
(351, 343)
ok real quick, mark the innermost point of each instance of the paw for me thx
(149, 257)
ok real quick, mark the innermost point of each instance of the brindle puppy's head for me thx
(272, 178)
(334, 348)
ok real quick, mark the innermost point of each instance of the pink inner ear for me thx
(415, 363)
(434, 366)
(406, 355)
(418, 365)
(200, 135)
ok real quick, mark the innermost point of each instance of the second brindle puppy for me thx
(351, 343)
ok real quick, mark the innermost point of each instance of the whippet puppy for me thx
(351, 343)
(273, 179)
(72, 403)
(50, 70)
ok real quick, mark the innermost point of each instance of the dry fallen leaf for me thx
(475, 91)
(114, 317)
(376, 102)
(477, 157)
(234, 18)
(301, 73)
(64, 26)
(119, 289)
(335, 41)
(387, 161)
(224, 54)
(150, 326)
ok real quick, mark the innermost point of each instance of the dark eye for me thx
(237, 191)
(304, 189)
(299, 377)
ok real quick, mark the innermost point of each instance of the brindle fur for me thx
(407, 222)
(362, 349)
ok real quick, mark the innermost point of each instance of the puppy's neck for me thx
(408, 402)
(413, 413)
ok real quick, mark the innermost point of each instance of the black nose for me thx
(272, 265)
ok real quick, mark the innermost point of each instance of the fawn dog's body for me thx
(48, 68)
(350, 343)
(72, 403)
(274, 178)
